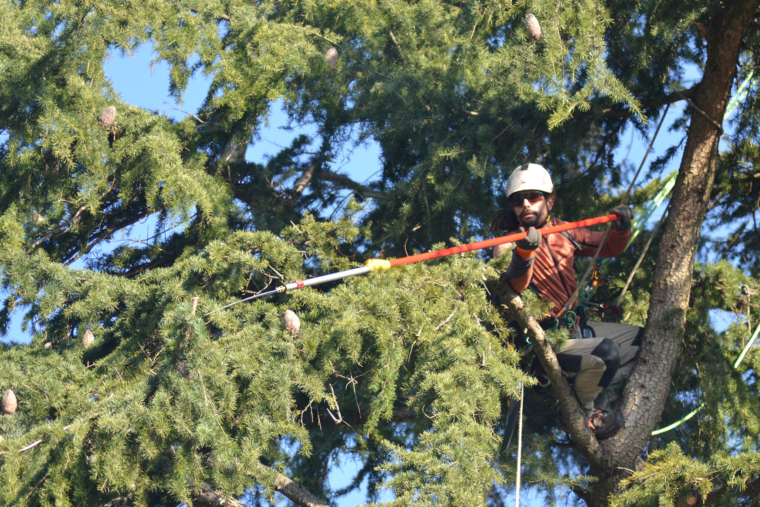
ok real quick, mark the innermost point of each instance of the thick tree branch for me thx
(300, 185)
(296, 492)
(572, 414)
(242, 195)
(293, 490)
(344, 181)
(209, 497)
(648, 104)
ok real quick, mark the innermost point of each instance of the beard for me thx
(534, 220)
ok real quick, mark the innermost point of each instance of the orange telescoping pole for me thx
(380, 264)
(510, 238)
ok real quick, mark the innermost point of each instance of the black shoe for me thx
(605, 424)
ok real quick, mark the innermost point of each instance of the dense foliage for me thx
(406, 371)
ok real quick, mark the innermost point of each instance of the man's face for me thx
(531, 208)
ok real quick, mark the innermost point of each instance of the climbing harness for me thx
(568, 320)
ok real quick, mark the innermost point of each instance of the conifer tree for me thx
(135, 391)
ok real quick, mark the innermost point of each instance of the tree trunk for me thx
(647, 390)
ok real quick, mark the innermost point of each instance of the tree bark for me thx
(296, 492)
(647, 390)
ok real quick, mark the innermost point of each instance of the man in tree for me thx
(598, 354)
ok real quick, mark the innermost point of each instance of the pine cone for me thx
(108, 116)
(332, 57)
(88, 339)
(292, 322)
(534, 29)
(9, 402)
(48, 345)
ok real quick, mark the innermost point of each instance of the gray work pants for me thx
(596, 363)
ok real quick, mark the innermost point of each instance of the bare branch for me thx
(395, 43)
(294, 490)
(303, 181)
(209, 497)
(702, 112)
(64, 227)
(30, 446)
(339, 419)
(94, 239)
(233, 152)
(354, 419)
(445, 321)
(344, 181)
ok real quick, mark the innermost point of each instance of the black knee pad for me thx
(609, 352)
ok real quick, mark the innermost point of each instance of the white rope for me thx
(519, 448)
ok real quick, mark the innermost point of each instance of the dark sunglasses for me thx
(532, 197)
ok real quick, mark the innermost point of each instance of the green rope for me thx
(741, 92)
(749, 344)
(678, 423)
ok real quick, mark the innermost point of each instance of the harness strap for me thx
(572, 240)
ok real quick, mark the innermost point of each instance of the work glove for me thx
(624, 222)
(531, 241)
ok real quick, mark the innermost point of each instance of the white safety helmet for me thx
(529, 177)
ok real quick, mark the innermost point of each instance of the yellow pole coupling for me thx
(377, 264)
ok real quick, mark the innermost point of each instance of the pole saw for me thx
(372, 265)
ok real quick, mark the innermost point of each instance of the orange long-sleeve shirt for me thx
(552, 270)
